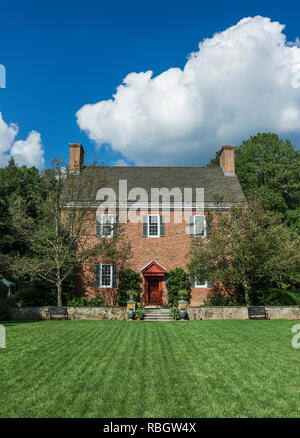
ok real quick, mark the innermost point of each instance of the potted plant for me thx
(139, 312)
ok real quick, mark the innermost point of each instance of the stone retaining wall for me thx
(120, 313)
(218, 312)
(37, 313)
(235, 312)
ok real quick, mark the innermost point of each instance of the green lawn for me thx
(150, 369)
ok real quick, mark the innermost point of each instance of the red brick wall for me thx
(227, 159)
(170, 252)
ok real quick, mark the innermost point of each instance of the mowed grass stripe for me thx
(150, 369)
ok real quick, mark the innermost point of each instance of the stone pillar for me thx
(131, 308)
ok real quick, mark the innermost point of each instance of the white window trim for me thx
(200, 285)
(205, 225)
(101, 223)
(111, 275)
(158, 225)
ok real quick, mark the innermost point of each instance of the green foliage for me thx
(44, 293)
(220, 300)
(16, 183)
(269, 168)
(3, 311)
(85, 302)
(276, 297)
(253, 249)
(36, 298)
(129, 284)
(215, 162)
(178, 282)
(175, 313)
(139, 311)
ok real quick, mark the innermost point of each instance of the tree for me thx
(16, 182)
(62, 238)
(129, 280)
(248, 246)
(178, 282)
(269, 167)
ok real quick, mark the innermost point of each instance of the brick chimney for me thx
(227, 160)
(76, 157)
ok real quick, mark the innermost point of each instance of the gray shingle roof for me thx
(217, 186)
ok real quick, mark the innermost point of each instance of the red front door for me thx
(154, 292)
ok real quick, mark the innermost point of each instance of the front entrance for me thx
(154, 274)
(154, 292)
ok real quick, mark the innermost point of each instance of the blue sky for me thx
(61, 55)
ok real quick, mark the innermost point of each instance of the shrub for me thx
(218, 300)
(3, 311)
(44, 293)
(175, 312)
(85, 302)
(36, 298)
(267, 296)
(134, 293)
(129, 284)
(178, 283)
(278, 297)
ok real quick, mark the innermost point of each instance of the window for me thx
(105, 225)
(198, 225)
(105, 275)
(153, 225)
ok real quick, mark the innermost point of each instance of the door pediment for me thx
(154, 268)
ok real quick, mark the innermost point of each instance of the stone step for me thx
(155, 307)
(158, 319)
(157, 312)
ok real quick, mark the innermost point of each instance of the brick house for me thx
(158, 245)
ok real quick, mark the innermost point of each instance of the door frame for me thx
(147, 280)
(153, 269)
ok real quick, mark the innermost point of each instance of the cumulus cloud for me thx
(240, 82)
(120, 162)
(27, 152)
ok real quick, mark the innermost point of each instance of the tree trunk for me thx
(59, 290)
(246, 293)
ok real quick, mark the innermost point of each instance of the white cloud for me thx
(120, 162)
(238, 83)
(27, 152)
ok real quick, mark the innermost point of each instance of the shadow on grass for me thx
(20, 321)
